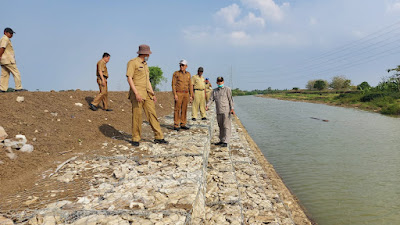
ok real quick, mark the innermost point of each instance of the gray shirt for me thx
(223, 100)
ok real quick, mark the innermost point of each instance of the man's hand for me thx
(176, 97)
(232, 112)
(104, 82)
(154, 98)
(138, 98)
(191, 99)
(207, 108)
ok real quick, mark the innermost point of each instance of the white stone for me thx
(21, 138)
(20, 99)
(3, 134)
(79, 104)
(54, 114)
(27, 148)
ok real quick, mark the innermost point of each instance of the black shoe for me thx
(108, 110)
(92, 107)
(194, 119)
(203, 118)
(176, 128)
(20, 90)
(219, 143)
(185, 127)
(134, 143)
(2, 91)
(224, 145)
(160, 141)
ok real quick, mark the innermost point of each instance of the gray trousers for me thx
(224, 123)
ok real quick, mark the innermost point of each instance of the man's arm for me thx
(2, 51)
(210, 101)
(152, 91)
(133, 87)
(190, 88)
(100, 69)
(230, 99)
(173, 87)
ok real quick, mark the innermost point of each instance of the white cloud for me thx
(230, 16)
(268, 8)
(394, 6)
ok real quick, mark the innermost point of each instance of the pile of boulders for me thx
(18, 143)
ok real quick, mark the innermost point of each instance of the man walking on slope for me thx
(8, 63)
(183, 92)
(224, 106)
(199, 88)
(142, 96)
(102, 75)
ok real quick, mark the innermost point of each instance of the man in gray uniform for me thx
(224, 106)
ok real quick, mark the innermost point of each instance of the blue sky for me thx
(257, 43)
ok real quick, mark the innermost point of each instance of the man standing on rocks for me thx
(142, 96)
(102, 75)
(224, 106)
(183, 92)
(8, 63)
(208, 89)
(199, 88)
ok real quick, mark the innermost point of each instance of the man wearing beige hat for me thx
(7, 62)
(199, 88)
(183, 91)
(142, 96)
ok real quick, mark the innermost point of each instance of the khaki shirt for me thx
(208, 87)
(198, 82)
(223, 100)
(8, 56)
(139, 72)
(181, 82)
(101, 65)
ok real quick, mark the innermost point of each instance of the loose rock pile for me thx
(10, 145)
(189, 181)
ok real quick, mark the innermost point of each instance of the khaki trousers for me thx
(5, 76)
(208, 95)
(224, 124)
(137, 119)
(180, 109)
(102, 96)
(199, 102)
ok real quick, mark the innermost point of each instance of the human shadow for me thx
(89, 100)
(170, 127)
(111, 132)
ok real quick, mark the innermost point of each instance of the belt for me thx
(183, 91)
(199, 89)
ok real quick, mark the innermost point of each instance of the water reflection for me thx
(345, 171)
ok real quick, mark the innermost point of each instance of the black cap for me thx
(220, 79)
(8, 30)
(200, 69)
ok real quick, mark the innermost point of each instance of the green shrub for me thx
(393, 109)
(371, 96)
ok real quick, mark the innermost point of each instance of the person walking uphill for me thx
(102, 76)
(8, 63)
(224, 106)
(183, 92)
(142, 96)
(199, 88)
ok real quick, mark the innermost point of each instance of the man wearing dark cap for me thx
(102, 76)
(208, 89)
(7, 62)
(142, 96)
(183, 92)
(199, 88)
(224, 106)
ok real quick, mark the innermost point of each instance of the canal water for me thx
(345, 170)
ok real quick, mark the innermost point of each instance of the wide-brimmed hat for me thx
(144, 49)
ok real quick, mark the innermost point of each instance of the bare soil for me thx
(58, 130)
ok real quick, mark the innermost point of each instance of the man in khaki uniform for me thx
(142, 96)
(102, 76)
(199, 88)
(208, 89)
(8, 63)
(183, 92)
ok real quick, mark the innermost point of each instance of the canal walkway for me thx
(189, 181)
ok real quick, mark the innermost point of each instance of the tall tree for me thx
(320, 85)
(156, 77)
